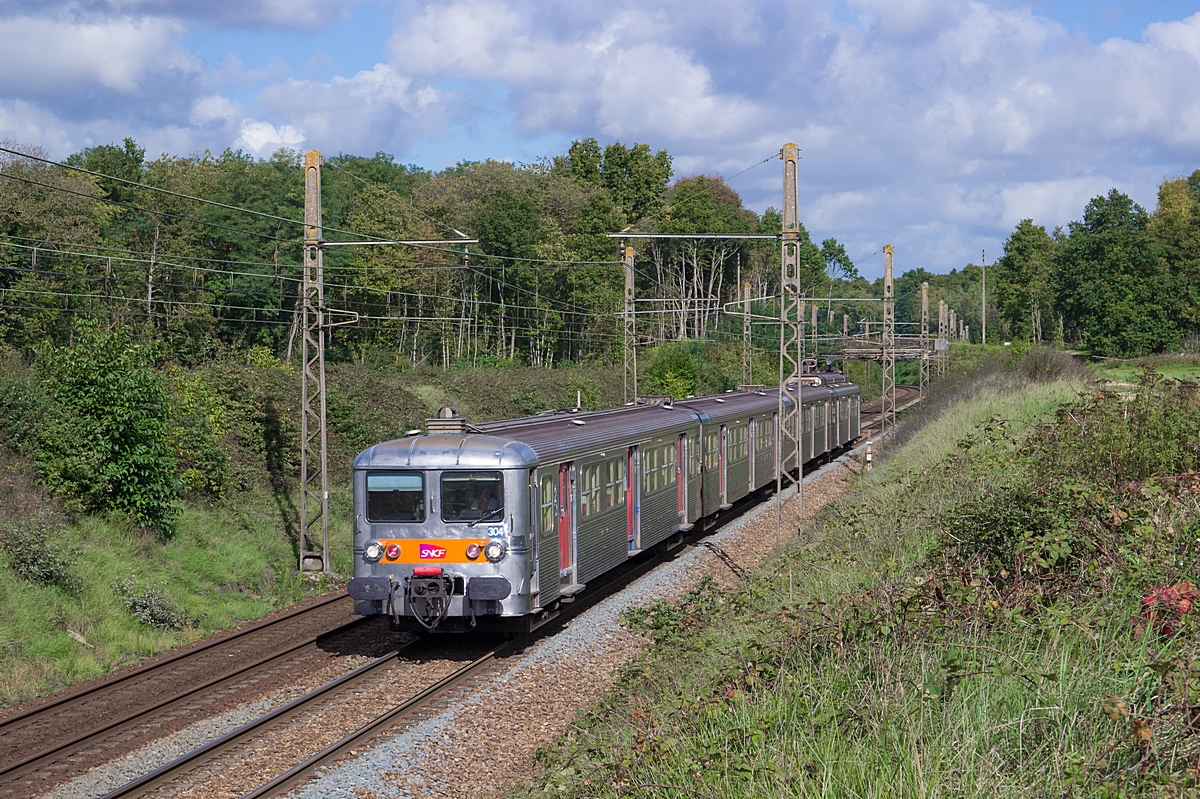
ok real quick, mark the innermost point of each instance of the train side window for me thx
(614, 483)
(694, 454)
(547, 502)
(589, 491)
(395, 496)
(712, 454)
(671, 453)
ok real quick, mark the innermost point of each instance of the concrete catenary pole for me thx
(791, 337)
(630, 328)
(314, 449)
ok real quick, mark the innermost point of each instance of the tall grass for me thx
(914, 643)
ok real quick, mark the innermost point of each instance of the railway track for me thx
(43, 745)
(872, 415)
(363, 684)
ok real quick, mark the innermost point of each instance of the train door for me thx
(566, 523)
(633, 500)
(681, 460)
(775, 443)
(723, 467)
(751, 449)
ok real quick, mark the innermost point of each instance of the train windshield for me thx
(396, 496)
(472, 496)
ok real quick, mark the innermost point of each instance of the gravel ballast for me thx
(485, 743)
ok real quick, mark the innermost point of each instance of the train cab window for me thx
(471, 496)
(395, 496)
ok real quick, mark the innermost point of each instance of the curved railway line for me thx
(47, 744)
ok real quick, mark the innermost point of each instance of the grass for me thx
(933, 634)
(224, 566)
(1175, 367)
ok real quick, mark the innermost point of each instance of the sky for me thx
(931, 124)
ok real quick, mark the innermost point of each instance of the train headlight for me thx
(473, 551)
(495, 550)
(373, 551)
(393, 551)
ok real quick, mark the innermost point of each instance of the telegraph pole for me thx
(314, 450)
(630, 326)
(889, 342)
(924, 338)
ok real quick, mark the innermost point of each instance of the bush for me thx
(152, 607)
(198, 427)
(33, 554)
(101, 435)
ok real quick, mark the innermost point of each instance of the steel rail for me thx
(203, 754)
(7, 721)
(66, 747)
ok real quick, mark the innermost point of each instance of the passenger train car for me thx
(496, 525)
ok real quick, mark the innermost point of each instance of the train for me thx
(496, 526)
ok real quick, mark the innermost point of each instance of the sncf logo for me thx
(430, 552)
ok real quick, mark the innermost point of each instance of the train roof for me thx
(563, 435)
(469, 451)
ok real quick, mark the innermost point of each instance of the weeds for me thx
(150, 606)
(33, 552)
(1002, 609)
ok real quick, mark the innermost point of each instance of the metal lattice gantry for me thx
(888, 387)
(314, 450)
(630, 327)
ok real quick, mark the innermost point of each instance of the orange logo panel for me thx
(433, 553)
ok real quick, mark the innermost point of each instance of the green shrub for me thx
(152, 607)
(101, 436)
(198, 428)
(32, 552)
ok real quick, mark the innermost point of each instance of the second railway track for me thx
(47, 743)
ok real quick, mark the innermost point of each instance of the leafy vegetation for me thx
(1004, 607)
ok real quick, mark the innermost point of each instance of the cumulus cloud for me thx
(274, 14)
(44, 57)
(262, 138)
(934, 124)
(372, 109)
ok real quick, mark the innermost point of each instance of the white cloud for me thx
(215, 108)
(262, 138)
(55, 57)
(375, 108)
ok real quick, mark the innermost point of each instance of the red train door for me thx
(566, 518)
(681, 456)
(633, 499)
(722, 463)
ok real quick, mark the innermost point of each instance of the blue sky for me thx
(933, 124)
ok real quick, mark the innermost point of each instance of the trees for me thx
(1024, 276)
(1116, 293)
